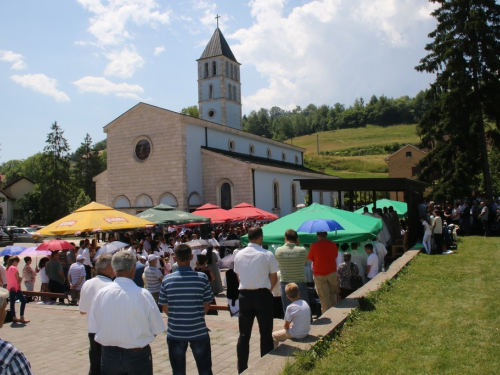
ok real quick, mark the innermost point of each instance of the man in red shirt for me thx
(323, 254)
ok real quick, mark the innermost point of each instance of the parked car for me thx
(28, 234)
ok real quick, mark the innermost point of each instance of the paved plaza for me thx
(56, 341)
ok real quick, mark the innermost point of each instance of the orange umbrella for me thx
(92, 217)
(216, 214)
(252, 213)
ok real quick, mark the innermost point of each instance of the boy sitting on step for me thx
(297, 317)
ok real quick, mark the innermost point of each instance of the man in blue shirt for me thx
(185, 296)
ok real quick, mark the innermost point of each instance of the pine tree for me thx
(55, 186)
(87, 165)
(464, 55)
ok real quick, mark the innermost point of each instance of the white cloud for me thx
(110, 20)
(15, 58)
(42, 84)
(101, 85)
(123, 63)
(159, 50)
(325, 51)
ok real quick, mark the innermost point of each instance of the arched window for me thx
(276, 195)
(229, 92)
(210, 91)
(206, 71)
(294, 195)
(143, 200)
(194, 201)
(168, 199)
(234, 93)
(225, 196)
(121, 202)
(214, 68)
(227, 69)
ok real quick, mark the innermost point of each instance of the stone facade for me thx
(215, 168)
(163, 172)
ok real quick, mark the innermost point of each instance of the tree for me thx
(464, 55)
(191, 111)
(56, 189)
(87, 165)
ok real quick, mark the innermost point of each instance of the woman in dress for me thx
(29, 274)
(14, 288)
(43, 275)
(213, 258)
(427, 235)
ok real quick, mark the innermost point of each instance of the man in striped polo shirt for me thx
(291, 259)
(185, 296)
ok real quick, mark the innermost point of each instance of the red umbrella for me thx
(216, 214)
(55, 245)
(252, 213)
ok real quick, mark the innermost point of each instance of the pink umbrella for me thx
(55, 245)
(252, 213)
(216, 214)
(32, 251)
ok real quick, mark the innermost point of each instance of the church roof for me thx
(217, 46)
(263, 161)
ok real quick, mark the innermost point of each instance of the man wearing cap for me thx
(104, 277)
(323, 254)
(153, 276)
(125, 319)
(76, 278)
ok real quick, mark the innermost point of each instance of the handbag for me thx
(356, 281)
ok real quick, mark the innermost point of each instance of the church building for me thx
(155, 155)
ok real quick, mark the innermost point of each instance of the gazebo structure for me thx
(413, 193)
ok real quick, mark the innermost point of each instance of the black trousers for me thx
(56, 287)
(88, 272)
(94, 356)
(254, 304)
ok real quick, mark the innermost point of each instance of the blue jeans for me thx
(304, 294)
(12, 298)
(119, 361)
(202, 353)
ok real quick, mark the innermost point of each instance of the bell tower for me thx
(219, 87)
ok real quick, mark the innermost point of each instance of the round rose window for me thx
(142, 149)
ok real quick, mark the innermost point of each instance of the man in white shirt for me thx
(212, 240)
(371, 263)
(437, 231)
(125, 319)
(257, 272)
(104, 277)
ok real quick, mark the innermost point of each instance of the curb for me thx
(274, 361)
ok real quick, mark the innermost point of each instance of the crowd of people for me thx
(160, 272)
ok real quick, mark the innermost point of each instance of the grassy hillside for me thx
(345, 139)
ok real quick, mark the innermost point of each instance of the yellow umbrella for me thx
(94, 216)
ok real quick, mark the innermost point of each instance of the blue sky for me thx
(83, 63)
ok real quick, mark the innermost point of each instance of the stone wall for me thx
(165, 169)
(218, 168)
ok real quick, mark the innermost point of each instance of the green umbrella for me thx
(400, 207)
(168, 215)
(357, 228)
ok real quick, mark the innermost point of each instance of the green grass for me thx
(347, 138)
(350, 166)
(440, 316)
(342, 140)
